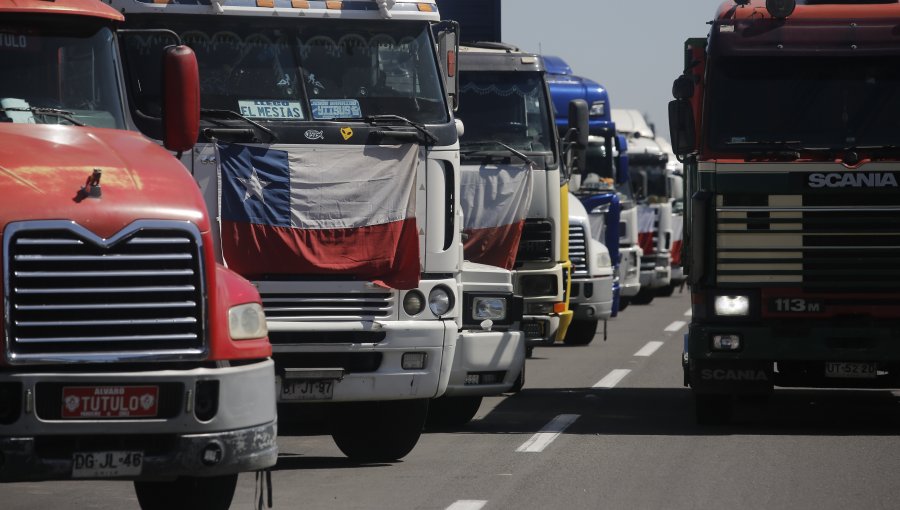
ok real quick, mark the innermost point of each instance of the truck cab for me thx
(128, 351)
(329, 155)
(509, 133)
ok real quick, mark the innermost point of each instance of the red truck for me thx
(128, 352)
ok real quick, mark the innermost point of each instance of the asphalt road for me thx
(628, 441)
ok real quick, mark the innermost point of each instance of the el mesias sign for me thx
(852, 180)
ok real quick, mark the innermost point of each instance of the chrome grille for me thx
(324, 306)
(797, 240)
(578, 251)
(536, 243)
(72, 296)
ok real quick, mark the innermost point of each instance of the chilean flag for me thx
(646, 228)
(677, 240)
(495, 201)
(322, 210)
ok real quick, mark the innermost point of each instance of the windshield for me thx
(598, 161)
(58, 76)
(810, 102)
(509, 107)
(274, 70)
(650, 182)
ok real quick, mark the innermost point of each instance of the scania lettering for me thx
(792, 237)
(366, 298)
(120, 328)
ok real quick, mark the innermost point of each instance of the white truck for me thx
(330, 156)
(675, 177)
(591, 297)
(647, 165)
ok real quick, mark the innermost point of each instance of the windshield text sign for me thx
(271, 109)
(324, 109)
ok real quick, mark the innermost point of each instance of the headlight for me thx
(413, 302)
(603, 259)
(598, 108)
(732, 306)
(493, 308)
(539, 285)
(247, 321)
(440, 301)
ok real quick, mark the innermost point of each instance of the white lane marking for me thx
(649, 349)
(675, 326)
(612, 379)
(468, 504)
(688, 313)
(548, 434)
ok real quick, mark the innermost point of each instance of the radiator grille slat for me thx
(578, 251)
(71, 294)
(356, 306)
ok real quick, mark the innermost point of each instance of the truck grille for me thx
(73, 297)
(537, 242)
(304, 307)
(578, 251)
(812, 241)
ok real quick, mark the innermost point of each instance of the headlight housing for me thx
(440, 300)
(603, 259)
(247, 321)
(732, 306)
(489, 307)
(539, 285)
(413, 303)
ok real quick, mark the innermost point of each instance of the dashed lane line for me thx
(675, 326)
(688, 313)
(612, 379)
(548, 434)
(649, 349)
(468, 504)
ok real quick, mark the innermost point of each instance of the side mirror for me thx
(682, 129)
(448, 53)
(181, 98)
(683, 87)
(578, 121)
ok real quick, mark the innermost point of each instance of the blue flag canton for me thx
(256, 185)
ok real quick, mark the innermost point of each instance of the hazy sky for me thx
(633, 47)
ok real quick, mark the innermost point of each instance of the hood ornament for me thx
(91, 188)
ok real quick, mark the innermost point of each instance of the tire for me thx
(452, 411)
(713, 409)
(624, 302)
(378, 431)
(581, 332)
(529, 352)
(666, 291)
(520, 381)
(187, 493)
(644, 297)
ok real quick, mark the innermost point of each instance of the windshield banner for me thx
(320, 210)
(495, 201)
(677, 240)
(647, 226)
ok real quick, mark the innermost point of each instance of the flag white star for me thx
(254, 187)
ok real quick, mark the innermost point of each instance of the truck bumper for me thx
(496, 357)
(793, 356)
(678, 275)
(592, 298)
(374, 371)
(540, 329)
(629, 272)
(40, 444)
(656, 271)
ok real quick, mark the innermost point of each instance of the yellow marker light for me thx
(425, 7)
(300, 4)
(265, 3)
(334, 5)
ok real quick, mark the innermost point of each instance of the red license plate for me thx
(110, 401)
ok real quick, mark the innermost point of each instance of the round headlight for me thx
(413, 302)
(440, 301)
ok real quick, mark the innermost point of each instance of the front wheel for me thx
(452, 411)
(644, 296)
(187, 493)
(581, 332)
(378, 431)
(666, 291)
(624, 302)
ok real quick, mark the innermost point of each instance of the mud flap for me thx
(733, 377)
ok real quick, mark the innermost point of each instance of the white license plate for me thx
(306, 389)
(849, 370)
(106, 464)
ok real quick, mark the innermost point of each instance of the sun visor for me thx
(795, 37)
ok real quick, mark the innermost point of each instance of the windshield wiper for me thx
(486, 152)
(206, 113)
(56, 112)
(374, 120)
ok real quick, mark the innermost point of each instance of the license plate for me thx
(850, 370)
(110, 402)
(306, 389)
(106, 464)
